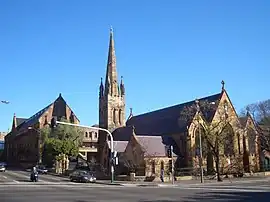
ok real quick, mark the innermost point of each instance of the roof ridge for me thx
(156, 136)
(176, 105)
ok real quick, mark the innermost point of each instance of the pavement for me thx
(51, 193)
(15, 186)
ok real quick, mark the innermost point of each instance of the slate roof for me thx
(153, 145)
(170, 120)
(119, 146)
(23, 123)
(20, 121)
(123, 133)
(33, 119)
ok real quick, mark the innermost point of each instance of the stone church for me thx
(169, 124)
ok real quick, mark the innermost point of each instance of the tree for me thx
(217, 135)
(61, 141)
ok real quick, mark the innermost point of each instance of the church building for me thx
(173, 126)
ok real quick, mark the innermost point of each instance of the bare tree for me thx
(217, 136)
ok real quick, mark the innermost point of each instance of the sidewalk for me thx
(178, 183)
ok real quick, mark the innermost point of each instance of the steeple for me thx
(111, 94)
(101, 88)
(14, 123)
(111, 86)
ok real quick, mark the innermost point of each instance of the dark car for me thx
(82, 176)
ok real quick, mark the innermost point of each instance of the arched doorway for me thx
(245, 154)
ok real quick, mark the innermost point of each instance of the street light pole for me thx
(39, 144)
(101, 129)
(200, 139)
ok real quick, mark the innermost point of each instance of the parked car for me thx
(42, 169)
(82, 176)
(2, 168)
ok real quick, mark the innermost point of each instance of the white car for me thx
(2, 168)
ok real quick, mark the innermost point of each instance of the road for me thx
(15, 187)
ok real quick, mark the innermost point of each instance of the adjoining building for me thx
(2, 145)
(23, 145)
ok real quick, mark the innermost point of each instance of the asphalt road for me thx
(15, 187)
(123, 194)
(17, 177)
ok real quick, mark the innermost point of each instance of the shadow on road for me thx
(24, 180)
(222, 196)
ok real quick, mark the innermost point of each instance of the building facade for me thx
(179, 126)
(23, 144)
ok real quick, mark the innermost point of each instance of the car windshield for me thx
(83, 173)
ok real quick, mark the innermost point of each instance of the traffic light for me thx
(169, 152)
(53, 123)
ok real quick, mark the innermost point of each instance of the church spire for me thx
(14, 123)
(111, 86)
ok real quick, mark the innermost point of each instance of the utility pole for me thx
(39, 142)
(200, 139)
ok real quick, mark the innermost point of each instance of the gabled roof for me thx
(23, 123)
(20, 120)
(152, 145)
(170, 120)
(34, 119)
(119, 146)
(123, 133)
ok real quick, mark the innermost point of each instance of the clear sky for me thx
(167, 51)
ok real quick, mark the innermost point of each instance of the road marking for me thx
(4, 177)
(16, 181)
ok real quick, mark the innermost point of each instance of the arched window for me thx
(238, 143)
(251, 141)
(96, 136)
(228, 139)
(91, 135)
(162, 165)
(86, 134)
(197, 142)
(120, 116)
(153, 167)
(114, 116)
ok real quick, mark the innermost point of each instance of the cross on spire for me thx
(223, 84)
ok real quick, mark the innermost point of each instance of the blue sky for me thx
(167, 51)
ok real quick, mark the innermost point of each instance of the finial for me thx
(121, 79)
(131, 113)
(14, 114)
(111, 29)
(60, 95)
(101, 80)
(222, 83)
(197, 104)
